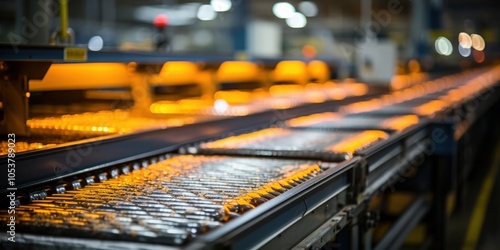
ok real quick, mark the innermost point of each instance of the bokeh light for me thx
(283, 10)
(443, 46)
(220, 106)
(221, 5)
(478, 56)
(297, 21)
(160, 21)
(206, 13)
(96, 43)
(308, 8)
(478, 42)
(465, 52)
(465, 40)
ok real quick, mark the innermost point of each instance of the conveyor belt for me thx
(168, 202)
(333, 121)
(52, 131)
(21, 146)
(282, 142)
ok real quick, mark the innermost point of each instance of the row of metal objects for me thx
(167, 202)
(171, 201)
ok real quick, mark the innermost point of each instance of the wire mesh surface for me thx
(51, 131)
(333, 121)
(21, 146)
(318, 144)
(169, 202)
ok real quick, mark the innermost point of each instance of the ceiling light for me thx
(308, 8)
(221, 5)
(206, 13)
(296, 21)
(443, 46)
(96, 43)
(283, 10)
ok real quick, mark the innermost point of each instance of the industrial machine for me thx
(232, 157)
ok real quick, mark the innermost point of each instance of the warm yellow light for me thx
(249, 138)
(430, 108)
(305, 121)
(399, 82)
(399, 123)
(165, 107)
(239, 71)
(319, 71)
(194, 104)
(285, 182)
(234, 96)
(364, 106)
(285, 89)
(83, 76)
(291, 72)
(178, 73)
(358, 141)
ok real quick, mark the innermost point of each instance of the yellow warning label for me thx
(75, 54)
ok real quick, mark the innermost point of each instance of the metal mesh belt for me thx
(168, 202)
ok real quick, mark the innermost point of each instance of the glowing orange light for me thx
(250, 198)
(249, 138)
(318, 71)
(414, 66)
(291, 72)
(364, 106)
(431, 107)
(356, 89)
(179, 73)
(234, 96)
(313, 119)
(285, 89)
(400, 81)
(401, 122)
(358, 141)
(232, 71)
(315, 93)
(83, 76)
(337, 94)
(309, 51)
